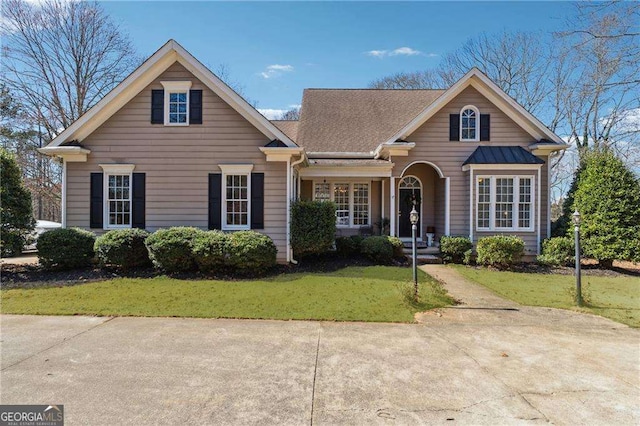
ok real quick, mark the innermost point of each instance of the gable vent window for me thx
(176, 103)
(469, 124)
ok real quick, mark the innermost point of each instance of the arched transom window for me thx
(469, 123)
(410, 182)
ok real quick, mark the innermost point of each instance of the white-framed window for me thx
(236, 196)
(504, 203)
(469, 123)
(176, 102)
(117, 181)
(352, 199)
(360, 204)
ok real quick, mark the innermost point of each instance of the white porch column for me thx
(392, 206)
(447, 206)
(471, 205)
(381, 201)
(539, 210)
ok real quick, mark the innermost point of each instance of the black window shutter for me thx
(454, 127)
(215, 201)
(157, 107)
(95, 204)
(485, 124)
(257, 200)
(195, 107)
(138, 201)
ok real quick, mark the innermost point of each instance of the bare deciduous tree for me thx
(292, 114)
(61, 57)
(427, 79)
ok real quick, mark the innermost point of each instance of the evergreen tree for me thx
(607, 196)
(16, 218)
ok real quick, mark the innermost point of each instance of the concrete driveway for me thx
(560, 367)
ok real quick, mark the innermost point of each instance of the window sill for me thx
(236, 228)
(505, 230)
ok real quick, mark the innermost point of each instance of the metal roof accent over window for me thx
(502, 155)
(276, 144)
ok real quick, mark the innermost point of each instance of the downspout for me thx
(63, 207)
(290, 167)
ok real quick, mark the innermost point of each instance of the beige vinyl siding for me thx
(177, 161)
(433, 145)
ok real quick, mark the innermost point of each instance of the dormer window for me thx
(176, 103)
(469, 123)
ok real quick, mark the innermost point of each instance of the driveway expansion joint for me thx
(64, 340)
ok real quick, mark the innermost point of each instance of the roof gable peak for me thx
(149, 70)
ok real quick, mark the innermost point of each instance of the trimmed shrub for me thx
(65, 248)
(398, 247)
(250, 251)
(123, 248)
(313, 227)
(210, 250)
(171, 249)
(379, 249)
(16, 218)
(500, 251)
(469, 258)
(349, 246)
(557, 251)
(453, 249)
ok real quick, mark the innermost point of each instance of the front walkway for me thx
(479, 305)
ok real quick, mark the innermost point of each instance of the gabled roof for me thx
(496, 95)
(502, 155)
(356, 120)
(162, 59)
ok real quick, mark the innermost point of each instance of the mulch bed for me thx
(34, 276)
(588, 267)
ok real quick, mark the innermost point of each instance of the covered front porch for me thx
(371, 200)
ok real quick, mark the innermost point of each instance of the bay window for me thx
(504, 203)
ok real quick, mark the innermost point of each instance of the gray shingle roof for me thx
(289, 127)
(356, 120)
(502, 155)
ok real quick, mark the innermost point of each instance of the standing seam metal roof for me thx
(502, 155)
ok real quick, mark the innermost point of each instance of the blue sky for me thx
(276, 49)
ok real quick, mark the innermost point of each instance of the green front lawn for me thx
(373, 293)
(617, 298)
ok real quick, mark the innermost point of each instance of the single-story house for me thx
(173, 145)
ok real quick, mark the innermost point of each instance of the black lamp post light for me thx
(413, 218)
(576, 231)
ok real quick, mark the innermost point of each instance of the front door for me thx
(407, 197)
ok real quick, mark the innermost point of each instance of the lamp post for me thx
(413, 217)
(576, 230)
